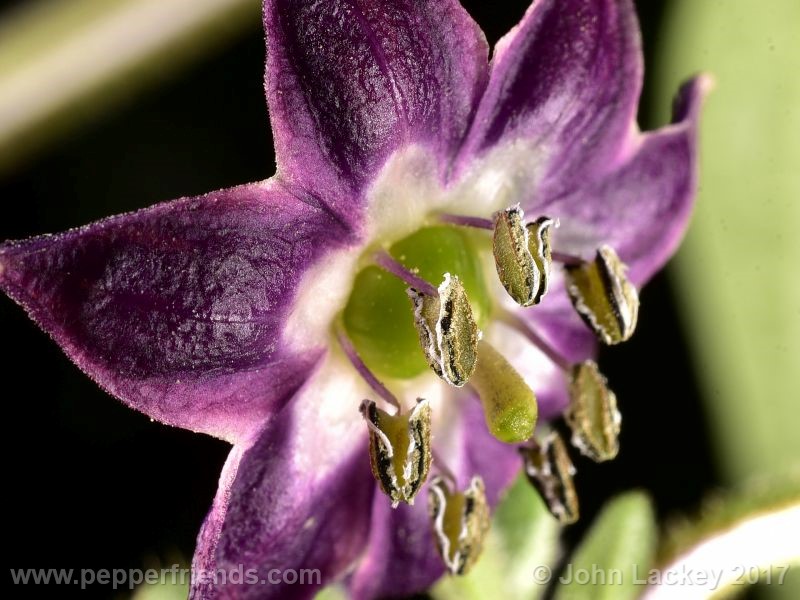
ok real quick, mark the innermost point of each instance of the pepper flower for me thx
(419, 286)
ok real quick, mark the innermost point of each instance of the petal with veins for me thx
(179, 309)
(296, 496)
(350, 81)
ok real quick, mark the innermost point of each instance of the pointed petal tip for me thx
(175, 309)
(691, 96)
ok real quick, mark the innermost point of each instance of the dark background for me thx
(92, 484)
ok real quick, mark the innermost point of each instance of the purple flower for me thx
(218, 313)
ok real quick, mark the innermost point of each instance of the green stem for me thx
(64, 62)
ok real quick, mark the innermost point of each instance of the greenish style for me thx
(509, 405)
(620, 545)
(379, 316)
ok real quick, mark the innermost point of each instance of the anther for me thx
(447, 330)
(522, 255)
(604, 297)
(550, 470)
(592, 415)
(460, 523)
(400, 449)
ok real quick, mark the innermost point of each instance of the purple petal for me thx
(297, 499)
(566, 80)
(483, 454)
(401, 557)
(178, 309)
(642, 208)
(350, 81)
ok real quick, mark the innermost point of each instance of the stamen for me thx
(463, 221)
(522, 255)
(534, 338)
(447, 330)
(362, 369)
(604, 297)
(509, 405)
(592, 415)
(385, 261)
(550, 471)
(460, 523)
(400, 449)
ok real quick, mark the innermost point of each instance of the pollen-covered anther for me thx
(400, 449)
(447, 330)
(460, 523)
(593, 415)
(603, 296)
(522, 255)
(550, 470)
(509, 404)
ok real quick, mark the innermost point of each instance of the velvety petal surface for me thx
(350, 81)
(401, 558)
(565, 82)
(295, 499)
(643, 207)
(178, 309)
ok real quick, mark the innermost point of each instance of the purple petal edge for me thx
(178, 309)
(292, 502)
(567, 80)
(643, 207)
(349, 81)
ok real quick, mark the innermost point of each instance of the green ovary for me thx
(379, 317)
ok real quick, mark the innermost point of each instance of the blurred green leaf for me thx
(724, 510)
(161, 591)
(736, 270)
(332, 592)
(524, 536)
(617, 551)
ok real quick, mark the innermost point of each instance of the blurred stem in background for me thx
(737, 271)
(64, 62)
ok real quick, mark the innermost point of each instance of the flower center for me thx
(420, 304)
(378, 315)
